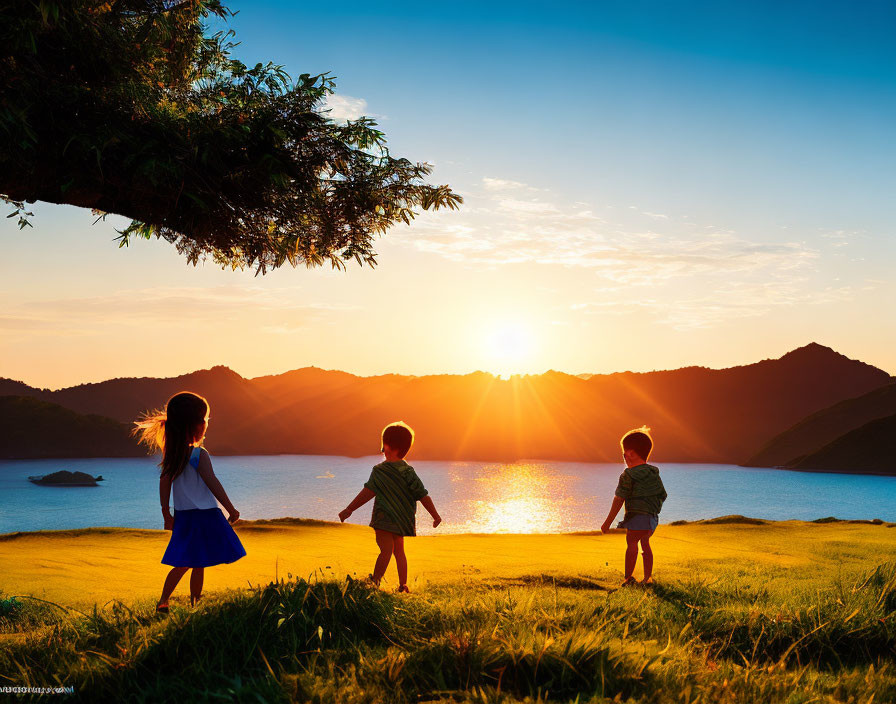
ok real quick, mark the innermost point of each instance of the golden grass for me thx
(83, 567)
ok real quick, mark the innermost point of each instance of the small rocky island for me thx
(66, 478)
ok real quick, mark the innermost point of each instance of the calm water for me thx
(524, 497)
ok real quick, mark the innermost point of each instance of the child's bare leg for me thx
(196, 579)
(401, 560)
(170, 583)
(631, 551)
(647, 556)
(385, 542)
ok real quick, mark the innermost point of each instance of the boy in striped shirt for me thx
(642, 492)
(396, 489)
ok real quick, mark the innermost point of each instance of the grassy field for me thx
(743, 612)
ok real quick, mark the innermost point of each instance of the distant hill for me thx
(869, 449)
(824, 427)
(33, 429)
(698, 414)
(9, 387)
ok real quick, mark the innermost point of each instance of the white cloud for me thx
(345, 107)
(719, 304)
(502, 184)
(527, 207)
(540, 232)
(844, 238)
(499, 224)
(665, 267)
(168, 306)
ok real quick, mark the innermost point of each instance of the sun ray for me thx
(669, 420)
(548, 414)
(474, 418)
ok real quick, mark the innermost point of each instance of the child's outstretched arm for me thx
(618, 501)
(362, 498)
(623, 492)
(431, 507)
(164, 499)
(211, 481)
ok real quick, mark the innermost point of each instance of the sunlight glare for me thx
(519, 498)
(509, 346)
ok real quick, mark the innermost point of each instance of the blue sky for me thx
(647, 184)
(768, 113)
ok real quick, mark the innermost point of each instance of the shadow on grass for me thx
(294, 640)
(329, 641)
(581, 583)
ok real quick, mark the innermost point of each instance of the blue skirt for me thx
(202, 538)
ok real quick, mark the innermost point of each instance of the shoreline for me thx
(517, 460)
(870, 473)
(295, 521)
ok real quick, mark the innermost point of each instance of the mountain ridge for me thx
(796, 352)
(698, 413)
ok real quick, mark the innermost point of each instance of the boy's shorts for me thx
(640, 521)
(380, 520)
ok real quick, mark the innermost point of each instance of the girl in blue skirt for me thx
(200, 535)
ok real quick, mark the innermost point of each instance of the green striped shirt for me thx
(642, 489)
(398, 489)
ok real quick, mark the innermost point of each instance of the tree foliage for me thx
(135, 107)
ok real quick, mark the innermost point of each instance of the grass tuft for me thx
(786, 614)
(724, 637)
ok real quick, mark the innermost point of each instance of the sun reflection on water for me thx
(515, 498)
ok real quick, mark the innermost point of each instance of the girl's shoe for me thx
(647, 582)
(403, 589)
(161, 609)
(195, 599)
(629, 582)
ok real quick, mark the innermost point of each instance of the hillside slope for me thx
(869, 449)
(35, 429)
(825, 426)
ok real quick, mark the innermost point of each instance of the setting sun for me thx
(509, 346)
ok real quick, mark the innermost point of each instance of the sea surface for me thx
(478, 497)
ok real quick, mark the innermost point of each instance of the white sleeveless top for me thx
(190, 491)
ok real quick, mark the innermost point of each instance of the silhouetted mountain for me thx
(33, 429)
(124, 399)
(10, 387)
(697, 414)
(824, 427)
(870, 449)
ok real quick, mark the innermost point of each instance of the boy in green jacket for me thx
(397, 489)
(641, 490)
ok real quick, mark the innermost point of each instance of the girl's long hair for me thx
(173, 430)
